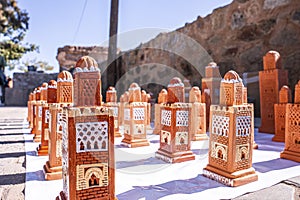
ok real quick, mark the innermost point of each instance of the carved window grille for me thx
(165, 137)
(219, 151)
(139, 129)
(92, 136)
(182, 118)
(139, 113)
(220, 125)
(242, 152)
(66, 93)
(166, 117)
(181, 138)
(243, 126)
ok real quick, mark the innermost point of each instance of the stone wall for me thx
(23, 84)
(67, 56)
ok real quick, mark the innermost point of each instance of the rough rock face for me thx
(67, 56)
(235, 36)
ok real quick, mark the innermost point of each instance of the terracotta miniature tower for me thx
(31, 101)
(211, 87)
(88, 145)
(175, 139)
(39, 107)
(212, 81)
(231, 135)
(123, 100)
(51, 98)
(135, 119)
(280, 112)
(162, 98)
(64, 88)
(111, 102)
(292, 129)
(198, 115)
(146, 98)
(36, 97)
(271, 79)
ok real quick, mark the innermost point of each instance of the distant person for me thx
(3, 80)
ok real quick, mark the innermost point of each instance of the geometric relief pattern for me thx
(219, 151)
(165, 137)
(182, 118)
(243, 125)
(91, 175)
(220, 125)
(92, 136)
(139, 129)
(127, 114)
(293, 129)
(138, 113)
(166, 117)
(242, 152)
(181, 138)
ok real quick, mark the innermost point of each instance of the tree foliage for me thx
(14, 23)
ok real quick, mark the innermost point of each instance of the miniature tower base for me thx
(130, 142)
(290, 155)
(234, 179)
(52, 173)
(200, 137)
(278, 138)
(174, 157)
(42, 150)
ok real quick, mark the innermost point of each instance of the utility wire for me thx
(79, 23)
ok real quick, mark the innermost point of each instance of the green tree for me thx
(13, 26)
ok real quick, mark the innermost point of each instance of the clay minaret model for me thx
(88, 139)
(271, 79)
(211, 87)
(292, 128)
(64, 98)
(280, 112)
(162, 98)
(111, 102)
(135, 119)
(50, 95)
(175, 138)
(197, 115)
(231, 135)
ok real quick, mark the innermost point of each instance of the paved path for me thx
(13, 127)
(12, 152)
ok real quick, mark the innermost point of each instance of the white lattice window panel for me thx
(127, 114)
(220, 125)
(166, 117)
(47, 116)
(181, 138)
(91, 136)
(139, 113)
(182, 118)
(243, 125)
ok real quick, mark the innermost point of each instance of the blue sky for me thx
(53, 23)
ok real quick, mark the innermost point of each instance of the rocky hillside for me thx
(235, 36)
